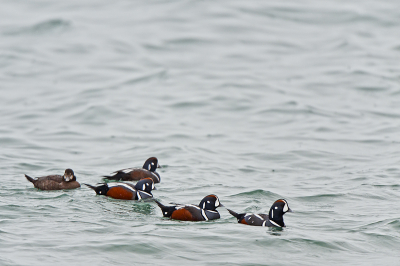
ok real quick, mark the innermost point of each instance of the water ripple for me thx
(45, 27)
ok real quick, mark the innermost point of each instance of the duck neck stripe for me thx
(203, 213)
(277, 225)
(146, 193)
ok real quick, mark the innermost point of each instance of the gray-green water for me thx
(250, 100)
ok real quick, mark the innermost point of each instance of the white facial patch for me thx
(217, 202)
(149, 166)
(204, 205)
(272, 213)
(144, 187)
(286, 207)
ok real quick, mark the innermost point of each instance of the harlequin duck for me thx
(273, 219)
(125, 191)
(55, 182)
(204, 212)
(133, 174)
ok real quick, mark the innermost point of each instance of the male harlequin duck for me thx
(273, 219)
(133, 174)
(125, 191)
(204, 212)
(55, 182)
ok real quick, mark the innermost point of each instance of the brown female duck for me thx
(55, 182)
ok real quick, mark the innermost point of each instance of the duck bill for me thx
(158, 166)
(290, 210)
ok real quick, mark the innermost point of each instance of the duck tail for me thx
(30, 179)
(100, 190)
(166, 210)
(233, 213)
(118, 176)
(160, 204)
(238, 216)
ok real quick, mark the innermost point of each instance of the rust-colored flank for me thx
(182, 214)
(120, 193)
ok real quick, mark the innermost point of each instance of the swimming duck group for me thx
(147, 177)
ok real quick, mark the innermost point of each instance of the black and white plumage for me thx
(126, 191)
(273, 219)
(205, 211)
(132, 174)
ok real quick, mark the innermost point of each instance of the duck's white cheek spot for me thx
(285, 208)
(217, 203)
(272, 213)
(276, 207)
(144, 187)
